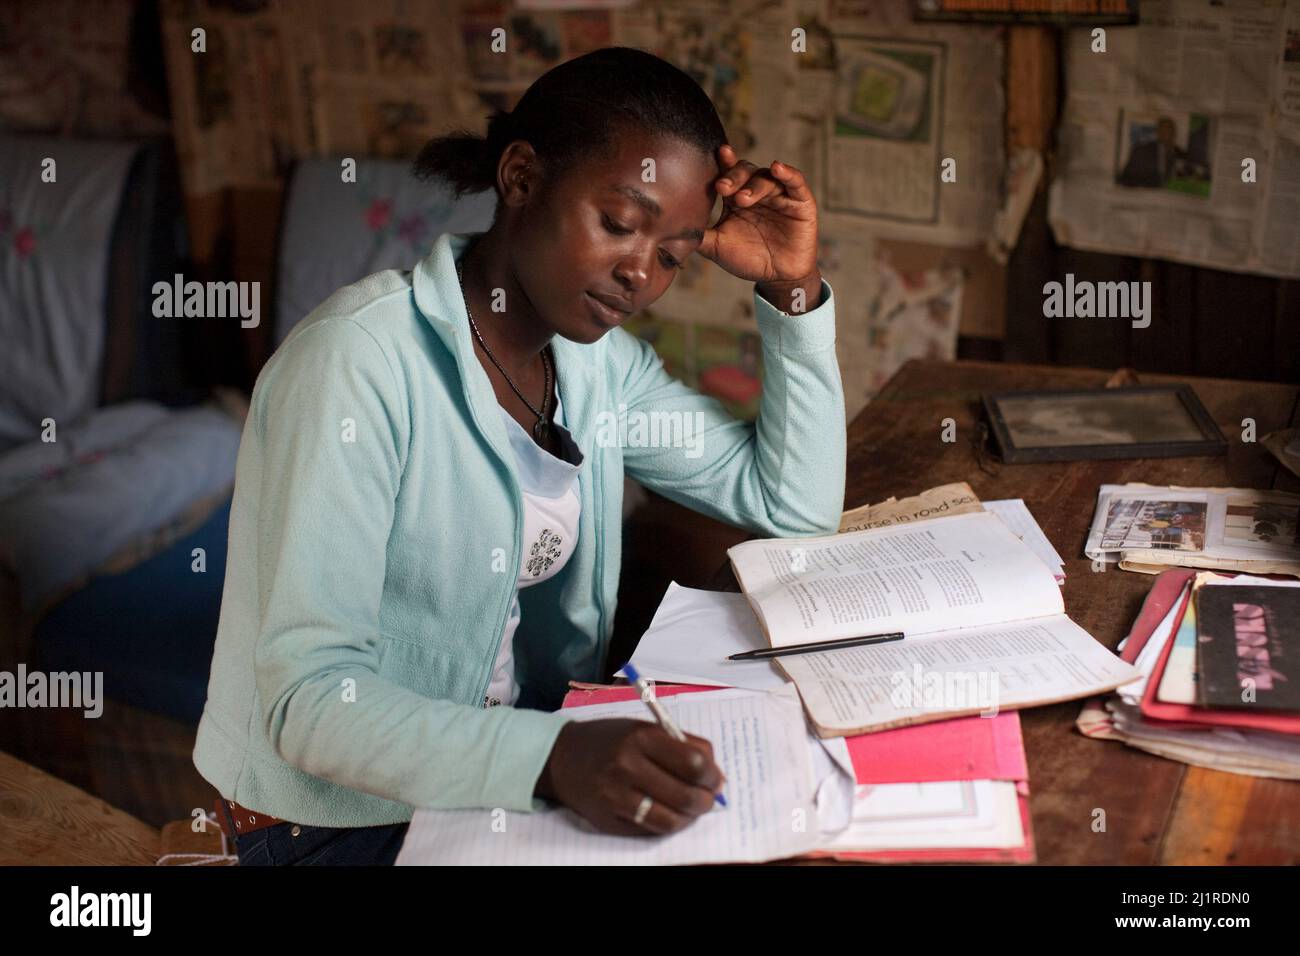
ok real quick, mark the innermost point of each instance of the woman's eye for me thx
(614, 227)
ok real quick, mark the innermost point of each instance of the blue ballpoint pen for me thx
(661, 715)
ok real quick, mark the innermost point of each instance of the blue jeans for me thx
(278, 845)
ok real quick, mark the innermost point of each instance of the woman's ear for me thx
(518, 173)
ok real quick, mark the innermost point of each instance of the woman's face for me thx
(601, 232)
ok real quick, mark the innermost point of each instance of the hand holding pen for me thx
(631, 777)
(646, 692)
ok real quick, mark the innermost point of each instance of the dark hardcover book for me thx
(1248, 647)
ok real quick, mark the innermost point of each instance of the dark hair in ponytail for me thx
(575, 112)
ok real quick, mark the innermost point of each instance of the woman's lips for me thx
(603, 313)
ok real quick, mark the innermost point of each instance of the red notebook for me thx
(966, 748)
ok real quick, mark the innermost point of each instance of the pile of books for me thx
(1219, 656)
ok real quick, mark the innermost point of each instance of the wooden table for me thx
(46, 822)
(1157, 811)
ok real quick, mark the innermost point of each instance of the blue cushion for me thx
(151, 629)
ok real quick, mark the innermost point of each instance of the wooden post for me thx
(1032, 63)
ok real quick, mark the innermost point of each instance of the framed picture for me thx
(1162, 421)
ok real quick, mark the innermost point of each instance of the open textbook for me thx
(1150, 528)
(955, 499)
(984, 618)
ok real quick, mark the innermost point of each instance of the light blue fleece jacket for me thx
(375, 540)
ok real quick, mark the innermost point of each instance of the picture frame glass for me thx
(1110, 417)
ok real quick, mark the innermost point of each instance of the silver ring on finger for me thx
(642, 810)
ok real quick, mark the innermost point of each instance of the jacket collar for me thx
(438, 296)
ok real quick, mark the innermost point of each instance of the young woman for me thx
(425, 536)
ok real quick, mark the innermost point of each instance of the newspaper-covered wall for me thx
(1182, 140)
(65, 70)
(869, 111)
(261, 87)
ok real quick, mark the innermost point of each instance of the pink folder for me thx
(965, 748)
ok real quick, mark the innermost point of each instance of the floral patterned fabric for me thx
(338, 231)
(58, 202)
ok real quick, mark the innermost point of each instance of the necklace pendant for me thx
(541, 430)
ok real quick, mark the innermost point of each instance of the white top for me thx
(551, 510)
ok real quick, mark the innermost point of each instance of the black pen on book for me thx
(816, 647)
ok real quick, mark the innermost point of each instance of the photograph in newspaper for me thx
(1155, 524)
(1160, 151)
(1263, 521)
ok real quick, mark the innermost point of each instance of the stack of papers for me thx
(948, 791)
(944, 791)
(933, 816)
(1166, 712)
(955, 790)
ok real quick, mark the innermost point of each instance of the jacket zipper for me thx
(598, 503)
(480, 699)
(486, 680)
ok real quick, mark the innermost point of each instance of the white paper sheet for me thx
(1149, 655)
(691, 636)
(759, 740)
(936, 815)
(836, 784)
(1017, 516)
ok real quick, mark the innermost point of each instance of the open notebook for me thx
(760, 743)
(984, 618)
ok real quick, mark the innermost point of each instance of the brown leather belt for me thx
(245, 820)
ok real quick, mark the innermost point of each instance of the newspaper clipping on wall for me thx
(1181, 140)
(902, 131)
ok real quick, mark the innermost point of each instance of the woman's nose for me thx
(633, 272)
